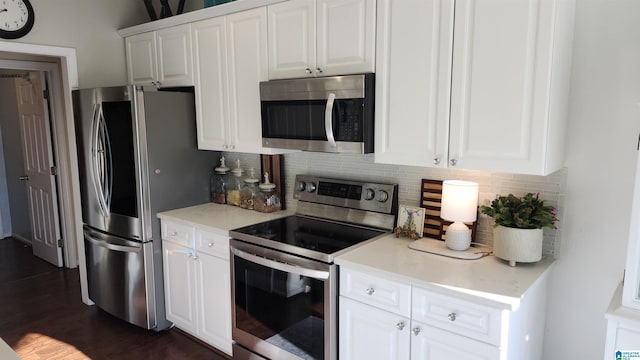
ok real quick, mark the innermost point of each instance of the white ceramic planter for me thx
(517, 245)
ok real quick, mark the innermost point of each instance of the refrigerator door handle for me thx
(98, 160)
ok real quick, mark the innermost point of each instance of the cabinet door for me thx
(214, 301)
(369, 333)
(292, 39)
(501, 85)
(174, 56)
(247, 66)
(346, 38)
(210, 75)
(414, 52)
(429, 343)
(142, 68)
(179, 280)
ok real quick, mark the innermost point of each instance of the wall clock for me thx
(16, 18)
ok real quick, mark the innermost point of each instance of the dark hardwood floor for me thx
(42, 317)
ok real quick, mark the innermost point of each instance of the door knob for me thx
(24, 178)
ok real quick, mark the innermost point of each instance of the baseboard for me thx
(21, 239)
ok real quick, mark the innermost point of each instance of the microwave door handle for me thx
(328, 125)
(97, 161)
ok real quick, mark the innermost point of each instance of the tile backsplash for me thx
(408, 178)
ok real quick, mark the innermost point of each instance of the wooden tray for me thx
(431, 201)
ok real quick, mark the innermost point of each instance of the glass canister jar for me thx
(235, 185)
(249, 191)
(267, 199)
(218, 183)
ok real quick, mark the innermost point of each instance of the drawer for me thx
(380, 292)
(212, 244)
(458, 316)
(178, 233)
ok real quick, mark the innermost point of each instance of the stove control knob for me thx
(310, 187)
(383, 196)
(300, 185)
(369, 194)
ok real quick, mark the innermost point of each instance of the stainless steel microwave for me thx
(327, 114)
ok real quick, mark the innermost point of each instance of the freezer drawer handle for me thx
(106, 244)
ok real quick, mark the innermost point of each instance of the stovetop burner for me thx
(332, 216)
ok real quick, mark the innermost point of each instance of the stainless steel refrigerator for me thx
(137, 155)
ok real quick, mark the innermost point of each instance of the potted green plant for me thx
(517, 233)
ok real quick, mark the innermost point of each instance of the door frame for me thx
(63, 72)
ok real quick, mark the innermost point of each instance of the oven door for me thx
(284, 306)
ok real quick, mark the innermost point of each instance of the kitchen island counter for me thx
(487, 280)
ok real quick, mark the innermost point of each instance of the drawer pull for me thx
(452, 316)
(174, 233)
(400, 325)
(210, 244)
(370, 291)
(416, 331)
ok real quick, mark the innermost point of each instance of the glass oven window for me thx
(281, 308)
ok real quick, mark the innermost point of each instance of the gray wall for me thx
(13, 163)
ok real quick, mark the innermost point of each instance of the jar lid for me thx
(223, 169)
(251, 178)
(266, 185)
(237, 171)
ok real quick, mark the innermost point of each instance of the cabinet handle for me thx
(210, 244)
(232, 147)
(308, 71)
(370, 291)
(318, 70)
(452, 316)
(436, 161)
(174, 233)
(224, 146)
(400, 325)
(415, 331)
(453, 162)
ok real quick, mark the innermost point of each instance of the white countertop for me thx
(488, 279)
(218, 218)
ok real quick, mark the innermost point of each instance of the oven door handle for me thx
(287, 267)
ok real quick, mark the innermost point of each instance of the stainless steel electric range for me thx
(284, 281)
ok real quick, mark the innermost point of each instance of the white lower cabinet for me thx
(197, 283)
(382, 318)
(370, 333)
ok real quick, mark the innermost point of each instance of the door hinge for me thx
(45, 94)
(54, 170)
(60, 243)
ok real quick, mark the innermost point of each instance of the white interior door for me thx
(38, 163)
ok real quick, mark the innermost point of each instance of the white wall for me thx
(91, 28)
(603, 135)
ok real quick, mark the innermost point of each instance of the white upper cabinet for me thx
(321, 38)
(413, 77)
(510, 81)
(502, 70)
(230, 60)
(210, 70)
(162, 58)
